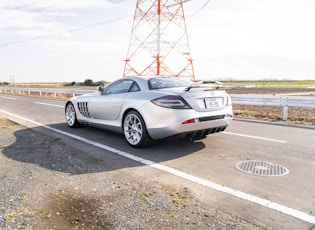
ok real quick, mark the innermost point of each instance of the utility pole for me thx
(159, 42)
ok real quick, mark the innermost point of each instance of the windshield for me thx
(168, 82)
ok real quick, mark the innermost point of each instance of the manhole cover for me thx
(261, 168)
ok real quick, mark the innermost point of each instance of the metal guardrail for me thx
(274, 100)
(246, 99)
(41, 91)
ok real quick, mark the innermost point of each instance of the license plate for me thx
(213, 103)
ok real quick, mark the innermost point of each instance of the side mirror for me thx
(100, 89)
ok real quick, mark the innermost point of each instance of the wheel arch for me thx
(67, 103)
(124, 115)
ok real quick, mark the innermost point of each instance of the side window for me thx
(134, 87)
(121, 86)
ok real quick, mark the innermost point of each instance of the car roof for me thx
(142, 81)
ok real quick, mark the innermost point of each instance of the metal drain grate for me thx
(261, 168)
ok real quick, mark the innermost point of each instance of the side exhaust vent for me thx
(83, 108)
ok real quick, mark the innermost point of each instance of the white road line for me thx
(41, 103)
(10, 98)
(242, 195)
(254, 137)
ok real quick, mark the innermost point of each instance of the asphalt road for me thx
(206, 167)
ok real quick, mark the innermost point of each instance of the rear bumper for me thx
(164, 122)
(194, 130)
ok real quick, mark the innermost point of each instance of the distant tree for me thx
(98, 83)
(88, 82)
(70, 84)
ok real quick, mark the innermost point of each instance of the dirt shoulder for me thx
(46, 184)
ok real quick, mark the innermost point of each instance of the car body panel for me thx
(197, 100)
(106, 107)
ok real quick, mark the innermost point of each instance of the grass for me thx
(177, 198)
(233, 83)
(296, 115)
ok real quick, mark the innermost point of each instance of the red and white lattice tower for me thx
(159, 42)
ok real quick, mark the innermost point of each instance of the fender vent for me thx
(83, 108)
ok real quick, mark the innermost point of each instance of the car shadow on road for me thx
(59, 152)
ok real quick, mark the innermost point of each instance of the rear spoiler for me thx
(205, 84)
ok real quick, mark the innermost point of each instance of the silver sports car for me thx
(145, 109)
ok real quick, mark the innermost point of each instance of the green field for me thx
(226, 83)
(271, 84)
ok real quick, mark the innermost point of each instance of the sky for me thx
(74, 40)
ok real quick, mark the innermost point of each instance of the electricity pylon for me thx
(159, 42)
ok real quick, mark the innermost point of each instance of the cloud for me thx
(254, 38)
(26, 20)
(248, 38)
(50, 5)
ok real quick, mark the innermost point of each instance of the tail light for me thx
(172, 102)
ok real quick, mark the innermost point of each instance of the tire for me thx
(71, 116)
(135, 131)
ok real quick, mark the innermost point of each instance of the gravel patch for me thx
(46, 184)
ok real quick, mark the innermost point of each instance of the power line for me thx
(200, 9)
(69, 30)
(85, 26)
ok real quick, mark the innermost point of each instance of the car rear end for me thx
(189, 112)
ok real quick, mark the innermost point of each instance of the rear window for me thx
(167, 82)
